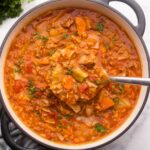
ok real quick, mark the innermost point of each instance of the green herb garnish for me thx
(50, 94)
(40, 37)
(69, 71)
(100, 128)
(66, 35)
(75, 33)
(116, 100)
(107, 46)
(67, 115)
(97, 82)
(100, 27)
(17, 70)
(44, 38)
(37, 112)
(20, 62)
(51, 52)
(119, 89)
(36, 33)
(32, 89)
(10, 8)
(30, 83)
(61, 126)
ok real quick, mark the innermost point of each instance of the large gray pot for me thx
(134, 32)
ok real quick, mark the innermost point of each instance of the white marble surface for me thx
(138, 136)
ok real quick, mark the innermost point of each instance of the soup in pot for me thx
(57, 75)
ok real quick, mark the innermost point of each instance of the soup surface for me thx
(55, 78)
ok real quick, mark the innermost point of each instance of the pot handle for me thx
(140, 28)
(14, 137)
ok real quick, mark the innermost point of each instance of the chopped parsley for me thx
(44, 38)
(118, 89)
(75, 33)
(97, 82)
(100, 27)
(100, 128)
(50, 94)
(17, 68)
(69, 71)
(121, 88)
(40, 37)
(32, 89)
(116, 100)
(67, 115)
(20, 62)
(66, 36)
(37, 112)
(51, 52)
(61, 126)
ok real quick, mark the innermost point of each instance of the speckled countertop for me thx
(138, 136)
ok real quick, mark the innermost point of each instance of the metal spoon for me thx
(132, 80)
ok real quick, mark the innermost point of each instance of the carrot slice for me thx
(81, 26)
(19, 85)
(106, 103)
(88, 22)
(68, 82)
(42, 61)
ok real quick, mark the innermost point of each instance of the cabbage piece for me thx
(79, 74)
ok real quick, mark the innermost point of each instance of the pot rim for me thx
(147, 57)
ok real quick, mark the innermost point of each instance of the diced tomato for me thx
(19, 84)
(53, 115)
(68, 82)
(99, 55)
(39, 93)
(92, 77)
(29, 67)
(83, 88)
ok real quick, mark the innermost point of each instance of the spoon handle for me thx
(132, 80)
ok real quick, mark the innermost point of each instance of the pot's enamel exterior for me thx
(133, 32)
